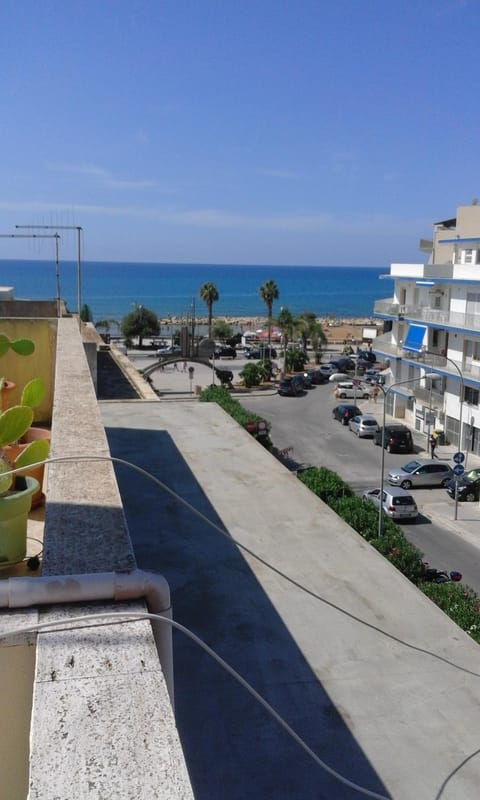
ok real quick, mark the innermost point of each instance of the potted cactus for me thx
(16, 490)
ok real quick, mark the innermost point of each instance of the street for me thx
(304, 425)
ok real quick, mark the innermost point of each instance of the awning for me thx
(414, 338)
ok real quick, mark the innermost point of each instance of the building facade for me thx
(432, 333)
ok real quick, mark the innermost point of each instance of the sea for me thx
(111, 290)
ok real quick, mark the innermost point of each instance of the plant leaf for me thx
(14, 422)
(4, 344)
(5, 480)
(23, 347)
(35, 451)
(33, 393)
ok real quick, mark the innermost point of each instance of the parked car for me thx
(421, 472)
(397, 503)
(398, 438)
(318, 377)
(260, 353)
(291, 386)
(363, 425)
(337, 377)
(171, 350)
(468, 486)
(352, 390)
(327, 369)
(225, 351)
(346, 364)
(307, 380)
(373, 375)
(344, 412)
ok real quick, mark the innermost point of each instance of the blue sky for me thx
(237, 131)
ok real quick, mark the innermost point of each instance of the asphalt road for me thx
(306, 425)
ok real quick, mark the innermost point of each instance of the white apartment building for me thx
(432, 325)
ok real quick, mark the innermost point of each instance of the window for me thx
(471, 396)
(470, 256)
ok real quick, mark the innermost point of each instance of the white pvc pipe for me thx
(118, 586)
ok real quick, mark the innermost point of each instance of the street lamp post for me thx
(382, 467)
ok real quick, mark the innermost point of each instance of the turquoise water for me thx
(110, 289)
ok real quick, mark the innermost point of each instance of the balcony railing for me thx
(436, 316)
(388, 348)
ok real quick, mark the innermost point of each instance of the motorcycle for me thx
(428, 573)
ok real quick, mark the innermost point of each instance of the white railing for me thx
(454, 319)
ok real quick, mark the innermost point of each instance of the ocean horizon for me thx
(111, 289)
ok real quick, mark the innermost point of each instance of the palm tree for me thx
(209, 295)
(286, 323)
(269, 292)
(308, 328)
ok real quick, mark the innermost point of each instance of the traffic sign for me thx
(458, 470)
(459, 458)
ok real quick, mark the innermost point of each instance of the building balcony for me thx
(435, 272)
(432, 316)
(388, 347)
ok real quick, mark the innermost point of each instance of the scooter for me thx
(428, 573)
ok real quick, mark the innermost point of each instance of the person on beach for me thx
(184, 368)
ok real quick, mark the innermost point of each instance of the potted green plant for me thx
(16, 490)
(34, 443)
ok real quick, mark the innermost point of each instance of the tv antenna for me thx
(55, 236)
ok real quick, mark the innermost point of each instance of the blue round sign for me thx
(459, 458)
(458, 470)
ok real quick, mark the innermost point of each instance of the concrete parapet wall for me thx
(102, 723)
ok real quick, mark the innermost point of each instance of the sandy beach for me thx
(337, 330)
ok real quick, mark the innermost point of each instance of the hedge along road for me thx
(306, 424)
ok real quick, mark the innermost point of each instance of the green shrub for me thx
(461, 604)
(295, 360)
(223, 398)
(251, 374)
(362, 516)
(325, 483)
(400, 552)
(265, 370)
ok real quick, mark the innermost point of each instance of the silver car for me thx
(352, 390)
(421, 472)
(363, 425)
(397, 503)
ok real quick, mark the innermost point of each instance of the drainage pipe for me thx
(118, 586)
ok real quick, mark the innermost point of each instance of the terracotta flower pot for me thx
(7, 388)
(13, 451)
